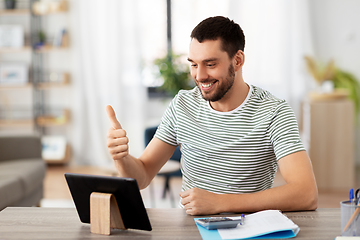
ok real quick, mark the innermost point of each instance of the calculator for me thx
(218, 222)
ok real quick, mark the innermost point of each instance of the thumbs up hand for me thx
(117, 140)
(113, 120)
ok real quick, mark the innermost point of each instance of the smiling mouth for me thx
(207, 86)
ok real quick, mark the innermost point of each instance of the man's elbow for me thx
(311, 201)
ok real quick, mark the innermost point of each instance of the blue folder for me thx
(214, 234)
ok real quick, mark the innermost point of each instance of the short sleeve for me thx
(166, 131)
(284, 132)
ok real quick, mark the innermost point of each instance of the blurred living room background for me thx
(63, 61)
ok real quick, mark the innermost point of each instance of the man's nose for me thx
(201, 74)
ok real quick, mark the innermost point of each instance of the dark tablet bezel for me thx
(125, 190)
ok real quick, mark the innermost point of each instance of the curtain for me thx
(107, 72)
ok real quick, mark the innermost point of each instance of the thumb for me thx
(111, 114)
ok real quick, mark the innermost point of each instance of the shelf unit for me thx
(16, 50)
(49, 115)
(16, 114)
(41, 116)
(12, 12)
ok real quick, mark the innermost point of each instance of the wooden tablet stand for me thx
(104, 213)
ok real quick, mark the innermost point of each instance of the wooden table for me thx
(63, 223)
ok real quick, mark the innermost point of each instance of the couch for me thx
(22, 171)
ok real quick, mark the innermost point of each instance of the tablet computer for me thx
(125, 190)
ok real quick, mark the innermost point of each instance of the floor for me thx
(56, 193)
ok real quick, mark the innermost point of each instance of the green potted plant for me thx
(344, 83)
(42, 37)
(176, 74)
(346, 80)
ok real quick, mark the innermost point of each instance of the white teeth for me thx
(206, 85)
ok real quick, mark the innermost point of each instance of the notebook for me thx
(260, 225)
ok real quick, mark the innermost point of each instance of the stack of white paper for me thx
(260, 223)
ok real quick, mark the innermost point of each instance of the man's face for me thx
(211, 69)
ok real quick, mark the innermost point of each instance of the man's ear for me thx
(239, 60)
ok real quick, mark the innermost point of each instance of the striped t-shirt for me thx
(230, 152)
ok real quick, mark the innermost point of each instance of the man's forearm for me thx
(132, 167)
(288, 197)
(299, 192)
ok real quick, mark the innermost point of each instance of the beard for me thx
(222, 89)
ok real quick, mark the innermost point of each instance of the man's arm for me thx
(144, 168)
(299, 192)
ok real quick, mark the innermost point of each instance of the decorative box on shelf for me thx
(55, 149)
(11, 35)
(54, 79)
(49, 7)
(58, 119)
(16, 73)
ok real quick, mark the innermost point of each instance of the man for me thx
(233, 136)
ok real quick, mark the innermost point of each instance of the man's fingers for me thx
(111, 114)
(183, 194)
(186, 193)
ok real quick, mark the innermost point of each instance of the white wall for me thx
(336, 32)
(336, 35)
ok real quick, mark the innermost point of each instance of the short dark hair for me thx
(229, 32)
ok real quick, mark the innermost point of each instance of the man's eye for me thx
(193, 65)
(211, 65)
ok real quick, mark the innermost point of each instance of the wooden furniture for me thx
(60, 223)
(328, 129)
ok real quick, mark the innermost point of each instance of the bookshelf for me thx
(15, 97)
(35, 105)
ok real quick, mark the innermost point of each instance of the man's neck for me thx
(233, 98)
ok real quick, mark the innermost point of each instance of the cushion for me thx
(30, 172)
(19, 147)
(11, 190)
